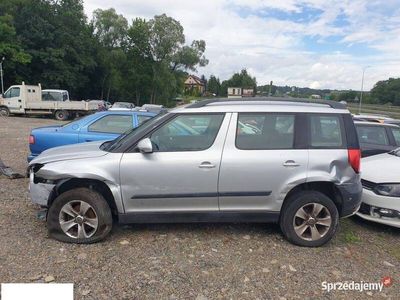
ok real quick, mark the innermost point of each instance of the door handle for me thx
(19, 100)
(290, 163)
(206, 165)
(88, 140)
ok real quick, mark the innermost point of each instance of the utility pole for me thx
(1, 75)
(270, 89)
(362, 88)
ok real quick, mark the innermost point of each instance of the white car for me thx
(381, 188)
(122, 106)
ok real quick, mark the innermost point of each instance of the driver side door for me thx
(181, 174)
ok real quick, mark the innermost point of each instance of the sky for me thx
(304, 43)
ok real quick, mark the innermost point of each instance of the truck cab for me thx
(16, 96)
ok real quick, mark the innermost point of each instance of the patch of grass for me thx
(395, 252)
(347, 232)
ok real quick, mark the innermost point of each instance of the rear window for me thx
(372, 135)
(326, 131)
(256, 131)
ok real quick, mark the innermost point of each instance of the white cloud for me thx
(274, 49)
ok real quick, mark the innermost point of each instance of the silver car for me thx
(295, 162)
(381, 194)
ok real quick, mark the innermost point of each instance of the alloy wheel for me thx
(78, 219)
(312, 221)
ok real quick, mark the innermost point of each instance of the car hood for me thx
(381, 168)
(75, 151)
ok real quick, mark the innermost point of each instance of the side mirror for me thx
(145, 146)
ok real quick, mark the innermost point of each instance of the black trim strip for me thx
(201, 195)
(201, 216)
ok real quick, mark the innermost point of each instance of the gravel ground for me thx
(184, 261)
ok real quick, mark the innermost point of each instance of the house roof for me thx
(196, 80)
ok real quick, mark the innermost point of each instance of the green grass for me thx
(347, 232)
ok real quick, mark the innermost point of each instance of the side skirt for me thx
(197, 217)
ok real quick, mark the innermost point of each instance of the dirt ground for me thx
(184, 261)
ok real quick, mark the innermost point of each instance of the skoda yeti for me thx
(295, 162)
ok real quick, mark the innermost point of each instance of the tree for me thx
(159, 43)
(387, 91)
(214, 85)
(242, 79)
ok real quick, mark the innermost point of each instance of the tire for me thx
(298, 215)
(4, 112)
(61, 115)
(79, 199)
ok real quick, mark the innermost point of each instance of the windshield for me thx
(109, 146)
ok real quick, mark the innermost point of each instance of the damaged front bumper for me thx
(39, 191)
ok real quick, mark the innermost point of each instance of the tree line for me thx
(107, 57)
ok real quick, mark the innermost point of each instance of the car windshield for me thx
(109, 146)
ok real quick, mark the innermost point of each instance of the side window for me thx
(326, 131)
(257, 131)
(396, 134)
(143, 118)
(372, 135)
(187, 133)
(112, 124)
(12, 92)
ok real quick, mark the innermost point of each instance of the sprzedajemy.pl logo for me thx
(359, 286)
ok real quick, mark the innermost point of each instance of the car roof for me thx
(260, 104)
(375, 124)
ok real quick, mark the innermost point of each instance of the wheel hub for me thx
(79, 220)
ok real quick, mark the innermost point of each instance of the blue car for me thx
(106, 125)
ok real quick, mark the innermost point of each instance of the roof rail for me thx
(332, 104)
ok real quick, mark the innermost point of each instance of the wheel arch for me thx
(97, 185)
(327, 188)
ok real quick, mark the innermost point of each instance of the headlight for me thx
(388, 189)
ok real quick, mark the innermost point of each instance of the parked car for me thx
(381, 190)
(299, 168)
(377, 138)
(101, 104)
(96, 127)
(122, 106)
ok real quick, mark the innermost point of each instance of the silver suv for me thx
(254, 160)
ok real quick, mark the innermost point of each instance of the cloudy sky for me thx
(307, 43)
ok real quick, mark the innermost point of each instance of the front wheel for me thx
(4, 111)
(309, 219)
(79, 216)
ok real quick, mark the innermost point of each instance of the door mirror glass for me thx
(145, 146)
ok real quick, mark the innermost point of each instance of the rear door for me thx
(107, 127)
(262, 160)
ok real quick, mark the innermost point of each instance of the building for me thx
(193, 83)
(234, 92)
(237, 92)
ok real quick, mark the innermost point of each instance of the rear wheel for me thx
(4, 111)
(79, 216)
(309, 219)
(61, 115)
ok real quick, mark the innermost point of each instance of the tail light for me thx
(355, 159)
(31, 139)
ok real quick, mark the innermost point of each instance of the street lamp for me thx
(1, 75)
(362, 87)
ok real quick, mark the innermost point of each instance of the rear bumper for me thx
(351, 196)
